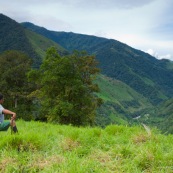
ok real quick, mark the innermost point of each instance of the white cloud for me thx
(152, 53)
(90, 3)
(156, 55)
(168, 56)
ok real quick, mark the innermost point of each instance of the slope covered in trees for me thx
(13, 36)
(162, 116)
(39, 43)
(121, 102)
(145, 74)
(147, 80)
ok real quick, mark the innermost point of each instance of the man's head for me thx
(1, 98)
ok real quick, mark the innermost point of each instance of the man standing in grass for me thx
(5, 125)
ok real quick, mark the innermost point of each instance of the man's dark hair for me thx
(1, 96)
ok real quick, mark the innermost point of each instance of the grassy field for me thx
(41, 147)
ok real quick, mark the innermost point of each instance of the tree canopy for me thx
(66, 88)
(14, 85)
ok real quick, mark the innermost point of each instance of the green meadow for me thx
(44, 147)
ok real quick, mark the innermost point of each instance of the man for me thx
(5, 125)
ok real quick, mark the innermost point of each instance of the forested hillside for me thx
(145, 74)
(132, 82)
(121, 102)
(162, 116)
(14, 37)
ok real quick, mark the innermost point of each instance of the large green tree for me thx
(14, 85)
(66, 89)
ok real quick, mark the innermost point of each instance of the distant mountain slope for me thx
(163, 116)
(13, 36)
(41, 43)
(121, 103)
(147, 75)
(135, 80)
(69, 41)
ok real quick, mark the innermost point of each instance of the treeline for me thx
(61, 90)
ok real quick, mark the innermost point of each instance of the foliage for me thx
(14, 85)
(66, 87)
(44, 147)
(162, 117)
(120, 102)
(41, 44)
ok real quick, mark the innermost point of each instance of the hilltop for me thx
(41, 147)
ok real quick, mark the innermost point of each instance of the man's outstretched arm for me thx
(6, 111)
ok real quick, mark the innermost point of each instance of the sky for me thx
(146, 25)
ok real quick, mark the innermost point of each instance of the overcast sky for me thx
(143, 24)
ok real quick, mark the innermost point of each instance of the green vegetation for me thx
(41, 44)
(120, 102)
(43, 147)
(66, 89)
(135, 80)
(14, 66)
(13, 37)
(66, 92)
(150, 77)
(162, 117)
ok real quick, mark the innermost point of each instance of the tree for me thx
(66, 89)
(14, 66)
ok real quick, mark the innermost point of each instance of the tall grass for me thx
(41, 147)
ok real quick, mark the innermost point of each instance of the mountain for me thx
(132, 82)
(162, 116)
(121, 102)
(13, 36)
(147, 75)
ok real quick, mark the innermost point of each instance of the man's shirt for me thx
(1, 114)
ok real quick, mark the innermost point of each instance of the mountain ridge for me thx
(149, 81)
(14, 36)
(139, 70)
(112, 110)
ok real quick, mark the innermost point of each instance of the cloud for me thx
(88, 4)
(168, 56)
(110, 3)
(156, 55)
(152, 53)
(101, 33)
